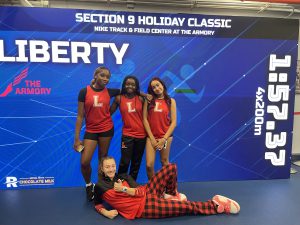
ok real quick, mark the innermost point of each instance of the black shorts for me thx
(95, 136)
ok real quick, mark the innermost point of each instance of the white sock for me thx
(89, 184)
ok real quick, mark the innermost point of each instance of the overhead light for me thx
(130, 4)
(25, 3)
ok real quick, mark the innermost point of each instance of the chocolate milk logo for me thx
(14, 182)
(32, 87)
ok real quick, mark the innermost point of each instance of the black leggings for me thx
(132, 151)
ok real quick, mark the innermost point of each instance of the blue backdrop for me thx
(220, 73)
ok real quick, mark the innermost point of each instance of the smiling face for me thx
(157, 88)
(130, 86)
(109, 168)
(102, 78)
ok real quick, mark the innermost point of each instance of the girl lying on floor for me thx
(157, 199)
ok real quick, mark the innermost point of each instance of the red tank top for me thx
(97, 115)
(132, 116)
(158, 118)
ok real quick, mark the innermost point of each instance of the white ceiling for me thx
(221, 7)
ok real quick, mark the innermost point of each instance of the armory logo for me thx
(13, 182)
(30, 87)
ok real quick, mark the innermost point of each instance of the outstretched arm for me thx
(173, 119)
(146, 96)
(115, 104)
(147, 126)
(111, 214)
(80, 117)
(99, 206)
(173, 112)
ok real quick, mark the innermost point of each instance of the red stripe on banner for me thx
(279, 1)
(7, 90)
(21, 76)
(296, 113)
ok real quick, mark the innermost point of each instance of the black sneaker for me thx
(90, 192)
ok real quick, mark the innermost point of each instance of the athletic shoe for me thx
(90, 192)
(177, 197)
(293, 171)
(226, 205)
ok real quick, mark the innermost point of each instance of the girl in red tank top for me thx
(159, 117)
(133, 132)
(93, 106)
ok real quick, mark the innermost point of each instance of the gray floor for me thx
(269, 202)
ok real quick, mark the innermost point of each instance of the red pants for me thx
(157, 207)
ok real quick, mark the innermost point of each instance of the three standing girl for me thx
(93, 106)
(159, 121)
(158, 117)
(133, 132)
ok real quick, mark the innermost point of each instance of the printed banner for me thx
(232, 78)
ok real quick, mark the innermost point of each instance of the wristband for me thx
(99, 208)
